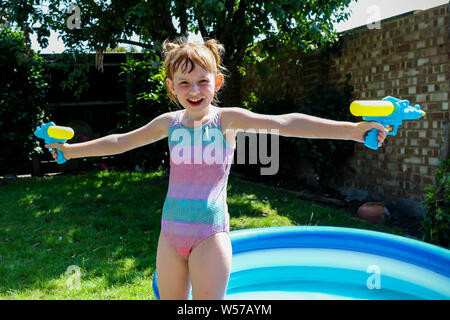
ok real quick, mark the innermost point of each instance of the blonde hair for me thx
(184, 55)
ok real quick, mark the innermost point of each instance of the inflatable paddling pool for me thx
(334, 263)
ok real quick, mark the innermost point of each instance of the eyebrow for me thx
(183, 78)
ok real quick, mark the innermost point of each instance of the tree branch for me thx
(134, 43)
(202, 28)
(183, 18)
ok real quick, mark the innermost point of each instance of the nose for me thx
(194, 89)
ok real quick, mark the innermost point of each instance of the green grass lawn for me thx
(107, 224)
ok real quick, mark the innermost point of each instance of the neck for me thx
(192, 116)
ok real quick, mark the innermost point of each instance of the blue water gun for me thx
(52, 133)
(389, 112)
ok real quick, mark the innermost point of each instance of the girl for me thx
(194, 247)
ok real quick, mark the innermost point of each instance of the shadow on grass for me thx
(105, 224)
(249, 201)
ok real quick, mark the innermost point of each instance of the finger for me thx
(55, 145)
(379, 127)
(381, 139)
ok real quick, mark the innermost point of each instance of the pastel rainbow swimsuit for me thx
(195, 207)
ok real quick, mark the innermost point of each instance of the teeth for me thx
(195, 100)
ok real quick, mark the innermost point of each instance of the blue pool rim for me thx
(415, 252)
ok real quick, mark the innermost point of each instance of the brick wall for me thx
(293, 76)
(407, 57)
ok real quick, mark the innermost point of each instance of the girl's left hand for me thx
(362, 128)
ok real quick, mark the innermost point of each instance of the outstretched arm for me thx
(299, 125)
(155, 130)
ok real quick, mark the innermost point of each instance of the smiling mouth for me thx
(195, 102)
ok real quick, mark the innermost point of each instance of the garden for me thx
(90, 230)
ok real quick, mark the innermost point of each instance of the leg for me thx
(210, 266)
(172, 272)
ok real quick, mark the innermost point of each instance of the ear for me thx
(219, 82)
(171, 86)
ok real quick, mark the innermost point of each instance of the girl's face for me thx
(195, 90)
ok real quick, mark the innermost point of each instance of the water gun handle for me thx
(371, 140)
(60, 158)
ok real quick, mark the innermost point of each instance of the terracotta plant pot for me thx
(373, 212)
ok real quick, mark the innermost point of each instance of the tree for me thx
(238, 24)
(23, 93)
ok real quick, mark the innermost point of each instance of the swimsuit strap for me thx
(177, 120)
(215, 121)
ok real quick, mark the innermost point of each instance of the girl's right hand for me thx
(63, 147)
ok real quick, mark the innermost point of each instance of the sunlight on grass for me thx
(262, 213)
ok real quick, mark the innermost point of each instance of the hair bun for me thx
(215, 46)
(217, 49)
(169, 46)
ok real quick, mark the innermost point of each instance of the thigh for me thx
(210, 266)
(172, 272)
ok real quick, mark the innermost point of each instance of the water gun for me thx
(389, 112)
(52, 133)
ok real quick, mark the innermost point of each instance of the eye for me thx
(204, 81)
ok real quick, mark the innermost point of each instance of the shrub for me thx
(435, 226)
(326, 155)
(23, 90)
(147, 99)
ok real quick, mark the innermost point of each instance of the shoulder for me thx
(162, 122)
(231, 115)
(167, 118)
